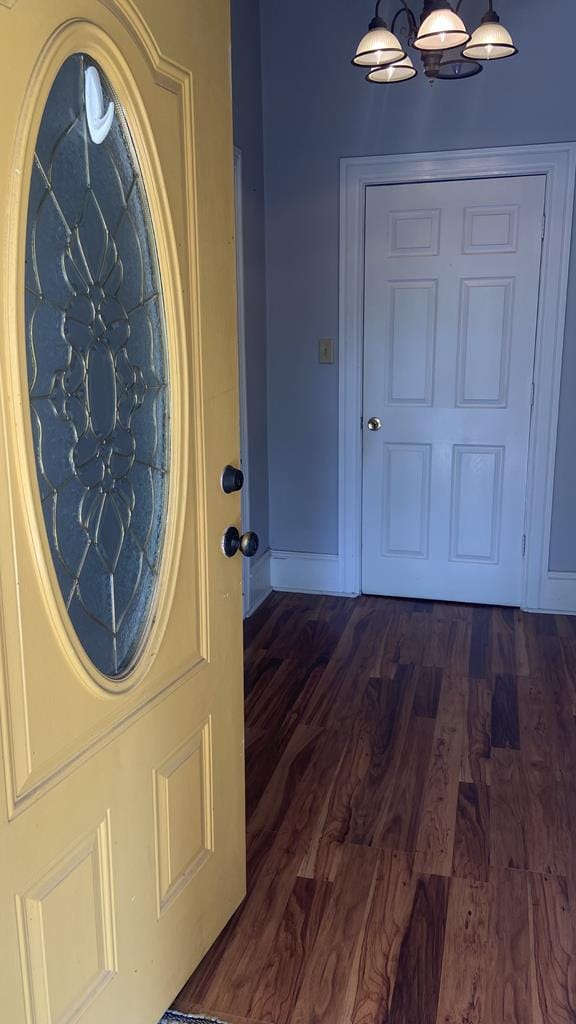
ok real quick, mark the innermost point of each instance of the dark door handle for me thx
(232, 479)
(249, 544)
(232, 542)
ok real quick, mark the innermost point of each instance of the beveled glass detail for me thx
(97, 369)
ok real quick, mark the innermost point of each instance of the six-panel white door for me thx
(452, 273)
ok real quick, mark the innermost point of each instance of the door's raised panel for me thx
(489, 229)
(73, 901)
(406, 500)
(477, 475)
(411, 342)
(484, 341)
(413, 233)
(184, 815)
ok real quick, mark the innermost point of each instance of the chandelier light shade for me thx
(446, 49)
(443, 29)
(378, 47)
(399, 72)
(490, 41)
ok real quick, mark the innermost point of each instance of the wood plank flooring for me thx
(411, 795)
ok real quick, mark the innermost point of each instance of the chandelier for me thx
(446, 48)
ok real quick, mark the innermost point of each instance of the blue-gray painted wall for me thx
(317, 108)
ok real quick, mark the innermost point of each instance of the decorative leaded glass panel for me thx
(97, 369)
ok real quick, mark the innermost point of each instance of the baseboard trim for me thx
(305, 572)
(558, 594)
(258, 582)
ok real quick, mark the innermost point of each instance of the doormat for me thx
(170, 1017)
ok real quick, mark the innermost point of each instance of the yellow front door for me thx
(121, 790)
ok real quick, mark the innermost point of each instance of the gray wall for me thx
(247, 103)
(318, 108)
(563, 538)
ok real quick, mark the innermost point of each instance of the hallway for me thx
(411, 806)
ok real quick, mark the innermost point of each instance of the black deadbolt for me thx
(232, 479)
(232, 541)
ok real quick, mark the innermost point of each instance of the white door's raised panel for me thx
(477, 474)
(413, 232)
(483, 364)
(490, 229)
(406, 500)
(74, 899)
(183, 811)
(411, 342)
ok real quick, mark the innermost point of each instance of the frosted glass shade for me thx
(490, 41)
(443, 29)
(378, 47)
(399, 72)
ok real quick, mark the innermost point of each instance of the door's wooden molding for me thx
(25, 784)
(170, 74)
(188, 769)
(81, 880)
(557, 162)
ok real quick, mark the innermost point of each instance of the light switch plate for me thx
(326, 350)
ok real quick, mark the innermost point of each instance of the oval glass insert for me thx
(97, 367)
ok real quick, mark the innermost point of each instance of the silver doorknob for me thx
(374, 423)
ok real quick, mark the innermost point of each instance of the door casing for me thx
(541, 589)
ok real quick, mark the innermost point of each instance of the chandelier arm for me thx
(412, 24)
(404, 5)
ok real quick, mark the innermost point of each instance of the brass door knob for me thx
(374, 423)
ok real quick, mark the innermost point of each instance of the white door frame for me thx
(558, 164)
(242, 387)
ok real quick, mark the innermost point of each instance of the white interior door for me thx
(451, 294)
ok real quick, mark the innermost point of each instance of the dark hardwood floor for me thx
(411, 793)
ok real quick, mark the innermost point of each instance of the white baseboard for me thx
(558, 594)
(257, 582)
(308, 573)
(305, 573)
